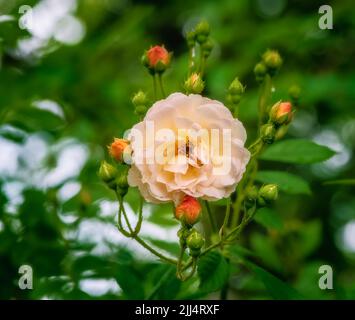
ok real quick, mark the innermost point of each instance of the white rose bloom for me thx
(187, 145)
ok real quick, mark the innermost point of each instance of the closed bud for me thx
(260, 71)
(236, 88)
(194, 84)
(108, 174)
(202, 31)
(191, 38)
(119, 148)
(122, 183)
(251, 196)
(267, 194)
(294, 92)
(272, 61)
(156, 59)
(140, 110)
(207, 47)
(183, 233)
(195, 242)
(188, 211)
(267, 133)
(281, 113)
(140, 98)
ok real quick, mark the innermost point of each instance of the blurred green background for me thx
(65, 90)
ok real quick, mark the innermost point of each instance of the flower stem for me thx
(132, 234)
(155, 87)
(161, 85)
(226, 218)
(210, 216)
(265, 92)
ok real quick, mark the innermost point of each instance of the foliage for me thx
(55, 214)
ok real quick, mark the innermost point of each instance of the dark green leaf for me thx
(298, 151)
(213, 271)
(349, 182)
(269, 218)
(278, 289)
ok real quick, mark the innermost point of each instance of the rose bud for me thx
(194, 84)
(260, 72)
(195, 242)
(267, 194)
(267, 133)
(294, 92)
(188, 211)
(140, 98)
(202, 31)
(281, 113)
(251, 196)
(272, 61)
(122, 183)
(108, 173)
(235, 91)
(191, 39)
(156, 59)
(207, 47)
(118, 148)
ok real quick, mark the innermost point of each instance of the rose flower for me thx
(187, 145)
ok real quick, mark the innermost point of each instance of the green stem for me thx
(134, 236)
(202, 62)
(161, 85)
(153, 251)
(226, 218)
(125, 215)
(165, 277)
(140, 217)
(265, 92)
(210, 216)
(155, 87)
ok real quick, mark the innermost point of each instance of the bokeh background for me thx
(65, 89)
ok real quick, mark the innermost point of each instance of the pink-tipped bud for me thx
(118, 148)
(281, 113)
(188, 211)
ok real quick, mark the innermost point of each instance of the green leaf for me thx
(213, 271)
(268, 218)
(286, 182)
(264, 247)
(297, 151)
(130, 282)
(310, 237)
(277, 289)
(349, 182)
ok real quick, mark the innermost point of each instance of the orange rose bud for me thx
(188, 211)
(156, 59)
(281, 113)
(118, 148)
